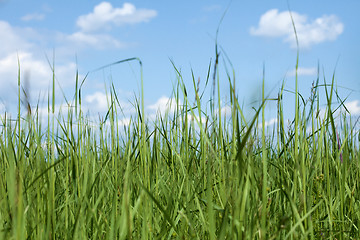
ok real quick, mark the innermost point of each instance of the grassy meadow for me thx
(191, 173)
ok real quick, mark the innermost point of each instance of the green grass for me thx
(191, 173)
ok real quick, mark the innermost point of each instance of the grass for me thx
(191, 173)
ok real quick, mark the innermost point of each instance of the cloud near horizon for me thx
(26, 46)
(105, 16)
(163, 104)
(353, 107)
(309, 32)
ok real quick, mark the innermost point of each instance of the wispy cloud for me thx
(33, 16)
(212, 8)
(98, 41)
(310, 32)
(303, 71)
(105, 16)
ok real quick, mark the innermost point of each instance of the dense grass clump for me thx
(191, 173)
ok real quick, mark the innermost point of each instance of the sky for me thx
(258, 35)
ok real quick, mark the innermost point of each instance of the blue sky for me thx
(86, 35)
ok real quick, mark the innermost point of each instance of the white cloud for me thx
(226, 110)
(353, 107)
(27, 63)
(2, 108)
(105, 16)
(99, 41)
(97, 101)
(11, 39)
(25, 45)
(271, 122)
(164, 104)
(33, 16)
(32, 69)
(278, 24)
(302, 71)
(124, 122)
